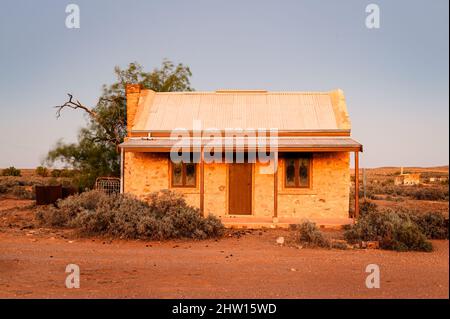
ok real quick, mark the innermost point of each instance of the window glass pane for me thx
(251, 157)
(290, 172)
(190, 174)
(303, 172)
(177, 174)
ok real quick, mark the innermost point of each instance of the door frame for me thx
(228, 192)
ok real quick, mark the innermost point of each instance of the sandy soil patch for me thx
(252, 266)
(245, 264)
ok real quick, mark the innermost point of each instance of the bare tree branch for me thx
(74, 105)
(112, 130)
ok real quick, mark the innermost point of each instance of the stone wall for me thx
(407, 179)
(329, 195)
(327, 198)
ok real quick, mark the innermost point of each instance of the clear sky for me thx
(395, 78)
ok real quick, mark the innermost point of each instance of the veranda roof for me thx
(287, 144)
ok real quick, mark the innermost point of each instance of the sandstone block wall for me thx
(329, 195)
(327, 198)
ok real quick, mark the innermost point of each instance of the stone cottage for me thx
(247, 156)
(407, 179)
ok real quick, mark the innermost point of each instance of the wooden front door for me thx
(240, 189)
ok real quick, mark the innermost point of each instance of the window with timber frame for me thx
(297, 170)
(183, 174)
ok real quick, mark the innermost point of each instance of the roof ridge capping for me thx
(240, 91)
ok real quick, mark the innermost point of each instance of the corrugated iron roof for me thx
(290, 111)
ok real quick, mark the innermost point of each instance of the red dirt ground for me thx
(33, 261)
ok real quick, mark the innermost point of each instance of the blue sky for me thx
(395, 78)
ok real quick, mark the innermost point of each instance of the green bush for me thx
(41, 171)
(393, 231)
(11, 171)
(310, 235)
(166, 216)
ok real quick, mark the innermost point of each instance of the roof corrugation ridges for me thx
(232, 109)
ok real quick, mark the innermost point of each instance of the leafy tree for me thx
(96, 152)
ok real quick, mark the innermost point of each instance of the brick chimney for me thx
(133, 92)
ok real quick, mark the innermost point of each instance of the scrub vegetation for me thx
(400, 229)
(164, 216)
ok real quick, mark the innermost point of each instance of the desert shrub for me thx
(68, 172)
(23, 187)
(166, 216)
(367, 207)
(339, 245)
(11, 171)
(80, 202)
(41, 171)
(433, 225)
(55, 172)
(434, 193)
(430, 193)
(7, 184)
(54, 181)
(180, 220)
(65, 173)
(116, 215)
(309, 234)
(23, 192)
(51, 216)
(393, 231)
(16, 186)
(67, 210)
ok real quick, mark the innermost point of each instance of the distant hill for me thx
(392, 170)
